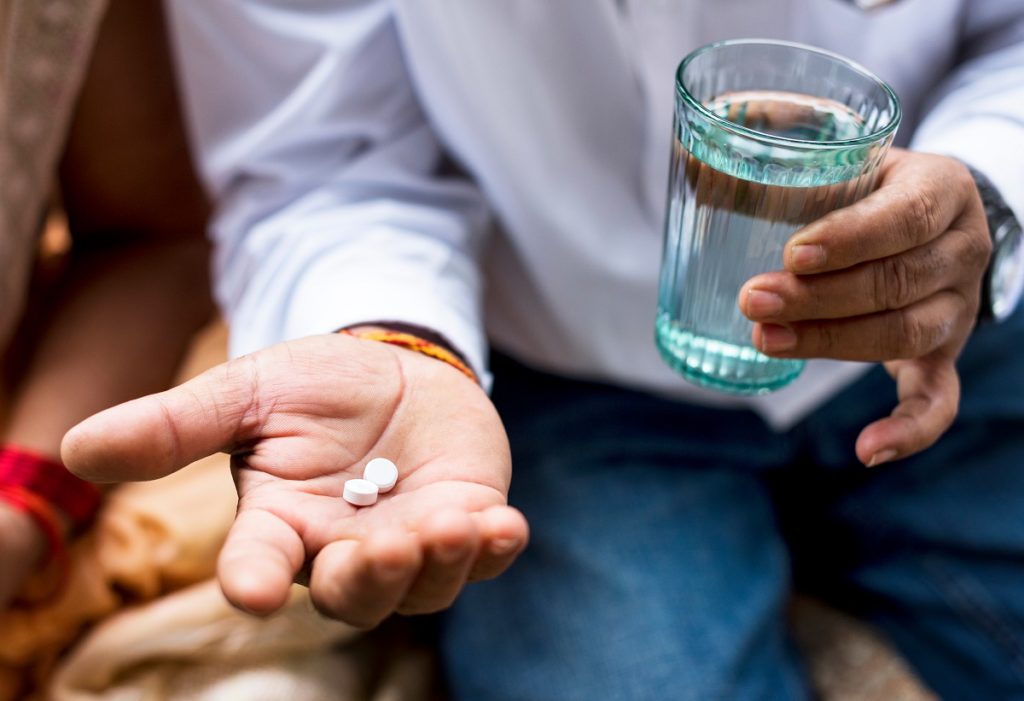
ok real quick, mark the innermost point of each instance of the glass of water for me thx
(769, 136)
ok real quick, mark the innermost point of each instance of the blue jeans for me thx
(666, 540)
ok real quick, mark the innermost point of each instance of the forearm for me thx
(118, 319)
(116, 327)
(336, 204)
(135, 290)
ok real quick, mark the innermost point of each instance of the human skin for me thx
(301, 417)
(117, 320)
(894, 278)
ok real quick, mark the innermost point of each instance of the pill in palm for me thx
(382, 472)
(360, 492)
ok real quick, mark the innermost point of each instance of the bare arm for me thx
(118, 320)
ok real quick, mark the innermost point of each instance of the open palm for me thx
(300, 419)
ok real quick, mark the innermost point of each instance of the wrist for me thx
(20, 535)
(1002, 286)
(416, 339)
(54, 502)
(23, 551)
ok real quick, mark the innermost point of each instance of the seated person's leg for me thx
(931, 548)
(654, 570)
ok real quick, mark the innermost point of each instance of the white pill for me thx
(360, 492)
(382, 472)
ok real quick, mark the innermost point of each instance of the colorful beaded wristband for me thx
(414, 343)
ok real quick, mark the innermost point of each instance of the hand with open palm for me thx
(301, 418)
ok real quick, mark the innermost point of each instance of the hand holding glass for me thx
(769, 137)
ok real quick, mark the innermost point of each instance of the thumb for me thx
(929, 395)
(155, 435)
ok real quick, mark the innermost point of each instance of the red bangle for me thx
(49, 480)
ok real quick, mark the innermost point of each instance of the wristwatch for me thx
(1003, 286)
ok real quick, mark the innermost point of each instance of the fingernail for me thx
(245, 609)
(503, 546)
(806, 257)
(776, 338)
(388, 571)
(761, 303)
(451, 553)
(881, 457)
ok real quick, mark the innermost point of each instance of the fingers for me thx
(887, 284)
(929, 394)
(919, 198)
(910, 332)
(259, 561)
(363, 582)
(504, 534)
(151, 437)
(451, 541)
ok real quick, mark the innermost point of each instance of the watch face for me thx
(1006, 286)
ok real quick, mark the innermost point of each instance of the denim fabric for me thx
(666, 539)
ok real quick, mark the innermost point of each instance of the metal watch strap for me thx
(998, 214)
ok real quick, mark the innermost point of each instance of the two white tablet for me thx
(379, 476)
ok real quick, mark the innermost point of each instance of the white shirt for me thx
(321, 129)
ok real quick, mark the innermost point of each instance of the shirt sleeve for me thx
(977, 114)
(331, 206)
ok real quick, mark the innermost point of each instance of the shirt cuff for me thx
(333, 294)
(986, 143)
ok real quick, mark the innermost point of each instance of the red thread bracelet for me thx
(414, 343)
(48, 479)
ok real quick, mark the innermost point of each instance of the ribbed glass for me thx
(769, 136)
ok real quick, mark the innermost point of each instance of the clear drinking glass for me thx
(769, 136)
